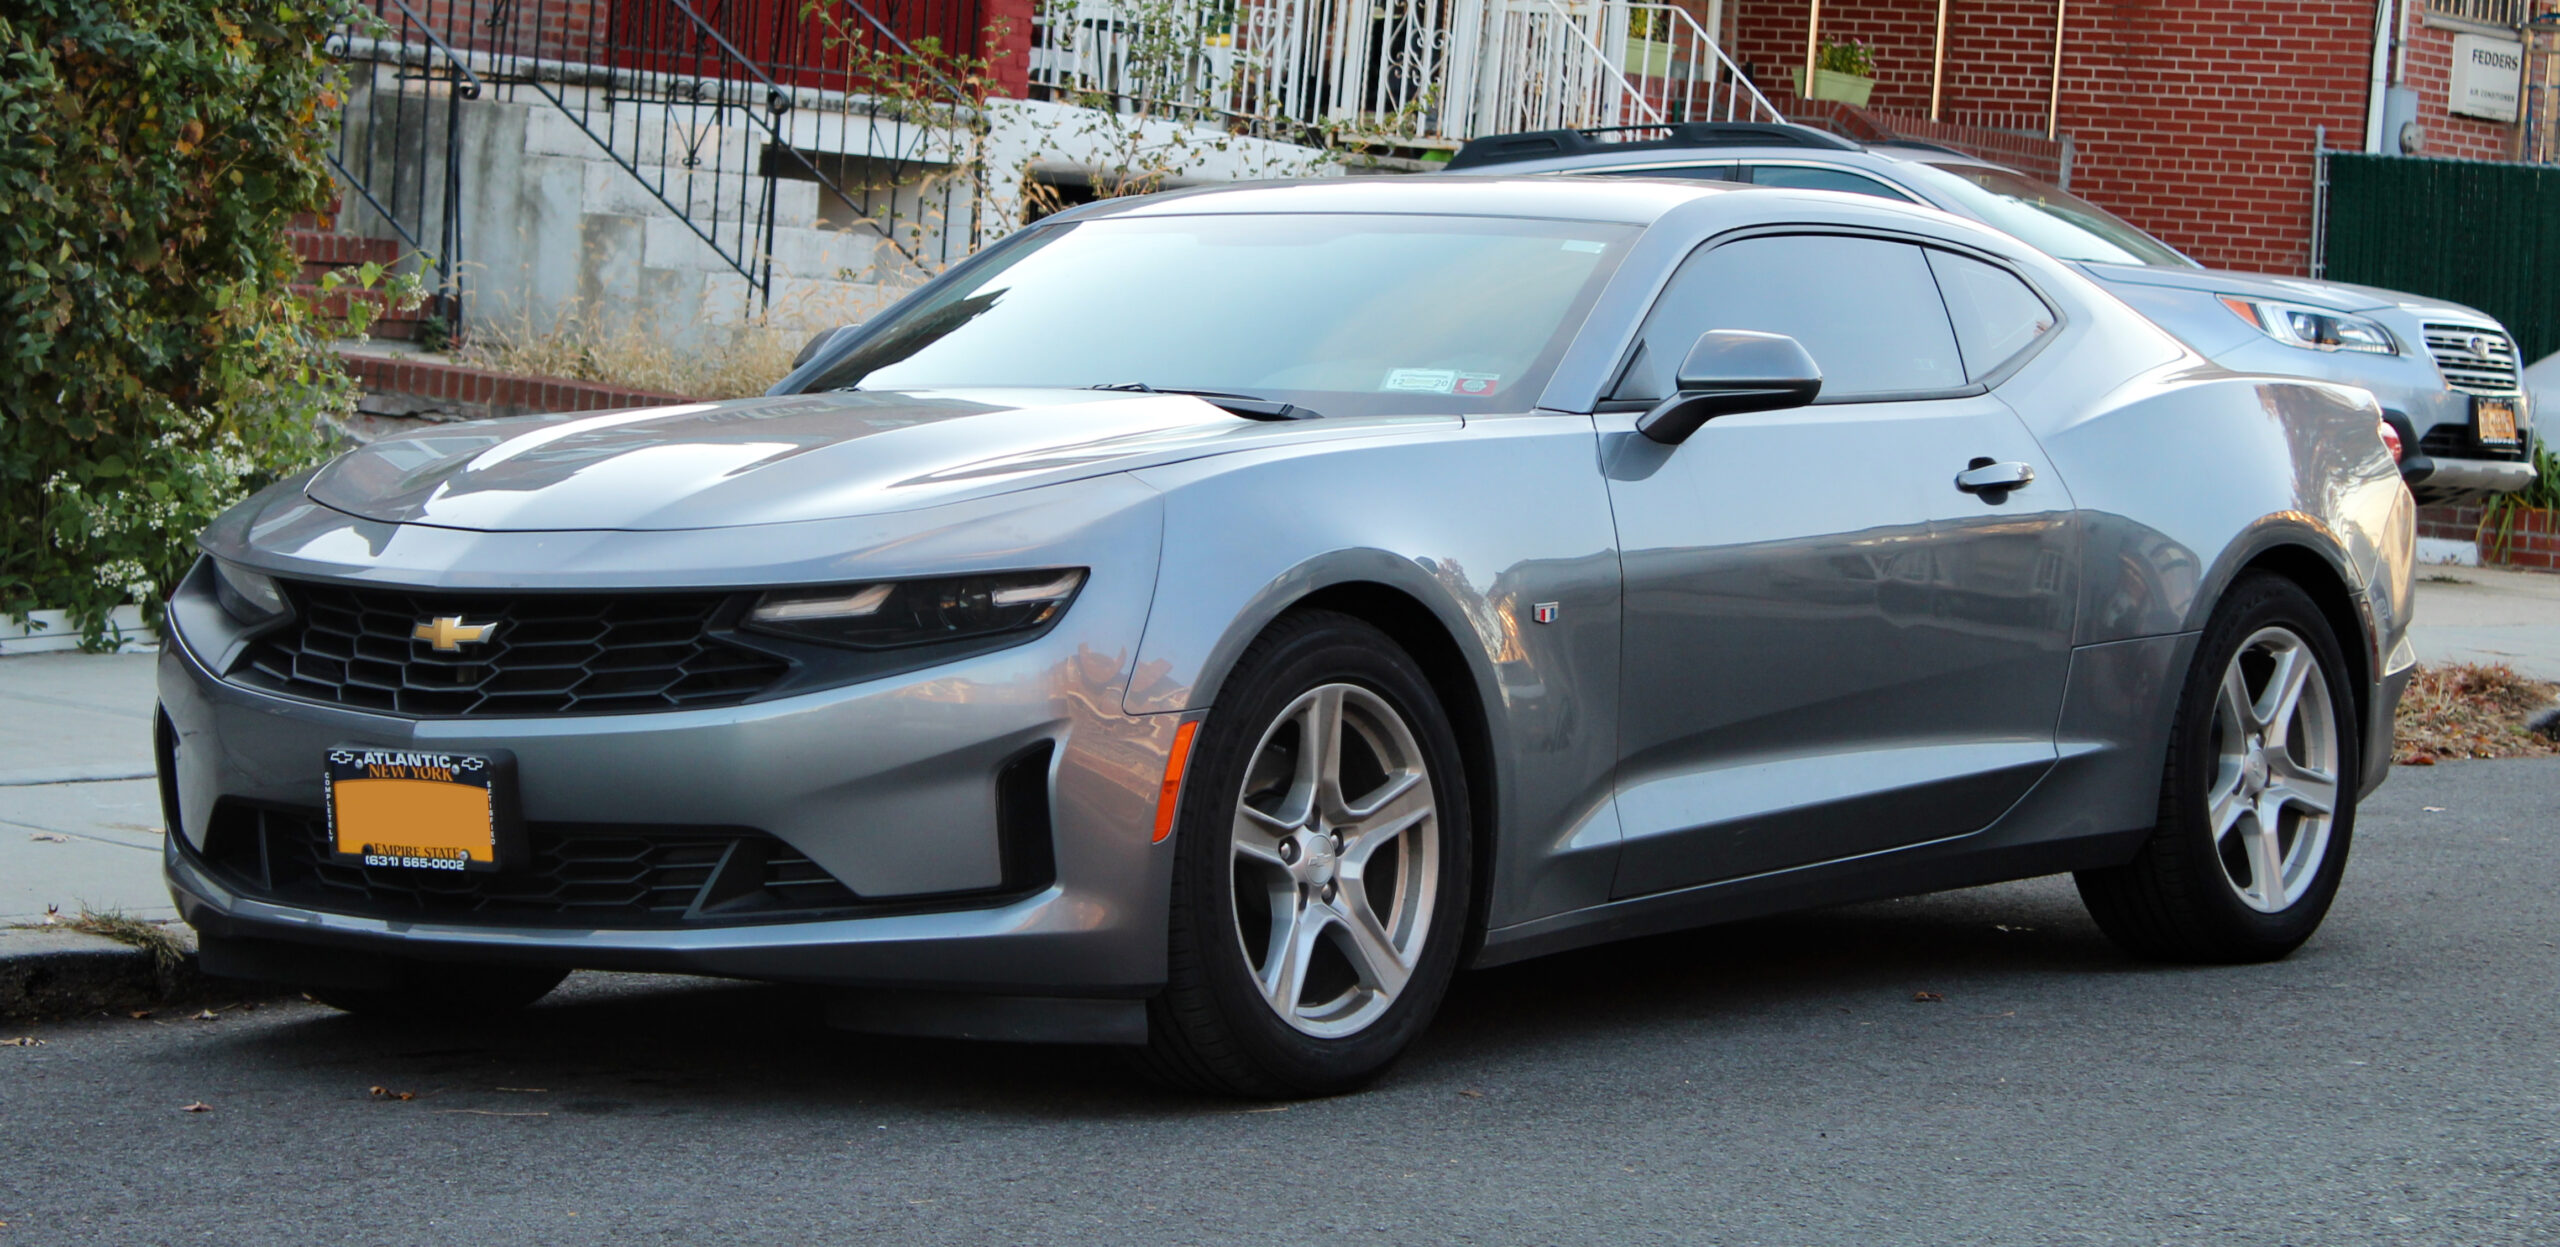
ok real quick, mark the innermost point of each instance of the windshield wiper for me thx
(1245, 405)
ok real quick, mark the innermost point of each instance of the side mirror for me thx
(1731, 371)
(820, 342)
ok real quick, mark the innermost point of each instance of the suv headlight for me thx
(252, 598)
(894, 613)
(2313, 328)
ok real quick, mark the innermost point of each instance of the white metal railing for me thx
(1418, 69)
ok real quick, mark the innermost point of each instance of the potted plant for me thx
(1843, 70)
(2522, 529)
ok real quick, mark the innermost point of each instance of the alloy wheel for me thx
(2274, 795)
(1336, 845)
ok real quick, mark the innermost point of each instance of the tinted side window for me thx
(1996, 315)
(1823, 180)
(1865, 308)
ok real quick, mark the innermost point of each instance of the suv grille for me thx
(2474, 361)
(545, 653)
(576, 873)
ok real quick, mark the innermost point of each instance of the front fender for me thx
(1480, 526)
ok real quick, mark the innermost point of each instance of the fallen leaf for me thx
(22, 1041)
(139, 1014)
(47, 837)
(207, 1015)
(197, 1107)
(386, 1093)
(1472, 1094)
(1925, 997)
(2432, 809)
(2418, 759)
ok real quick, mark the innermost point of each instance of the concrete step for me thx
(835, 255)
(612, 190)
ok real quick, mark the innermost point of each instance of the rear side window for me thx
(1996, 316)
(1867, 310)
(1808, 179)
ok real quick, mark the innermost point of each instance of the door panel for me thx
(1828, 650)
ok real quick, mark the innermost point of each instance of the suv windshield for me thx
(2051, 219)
(1343, 314)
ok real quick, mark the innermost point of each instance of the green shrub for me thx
(154, 365)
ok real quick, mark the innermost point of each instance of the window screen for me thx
(1996, 315)
(1866, 309)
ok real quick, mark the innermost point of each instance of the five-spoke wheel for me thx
(2257, 800)
(1335, 848)
(1321, 867)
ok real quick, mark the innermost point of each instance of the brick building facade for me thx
(2195, 119)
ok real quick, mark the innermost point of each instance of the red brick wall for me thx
(2429, 72)
(2533, 538)
(2192, 118)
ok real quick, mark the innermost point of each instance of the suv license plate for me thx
(2493, 421)
(424, 810)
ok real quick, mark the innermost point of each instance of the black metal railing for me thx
(396, 143)
(709, 105)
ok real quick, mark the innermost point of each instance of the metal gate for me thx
(2470, 231)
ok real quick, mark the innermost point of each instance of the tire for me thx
(2210, 886)
(1357, 944)
(438, 991)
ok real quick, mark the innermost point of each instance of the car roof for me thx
(1632, 201)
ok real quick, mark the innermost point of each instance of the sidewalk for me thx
(80, 815)
(2489, 615)
(79, 812)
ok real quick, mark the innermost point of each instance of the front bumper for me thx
(891, 786)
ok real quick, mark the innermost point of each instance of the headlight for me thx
(2312, 328)
(895, 613)
(249, 597)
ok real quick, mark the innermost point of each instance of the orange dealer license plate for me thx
(424, 810)
(2493, 420)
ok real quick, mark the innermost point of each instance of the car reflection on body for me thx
(1208, 622)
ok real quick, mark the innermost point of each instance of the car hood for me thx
(2337, 296)
(784, 459)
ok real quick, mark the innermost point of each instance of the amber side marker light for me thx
(1169, 798)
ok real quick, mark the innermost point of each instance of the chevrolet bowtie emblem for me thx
(449, 634)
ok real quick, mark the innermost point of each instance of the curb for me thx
(51, 973)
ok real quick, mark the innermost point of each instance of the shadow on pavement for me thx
(638, 1044)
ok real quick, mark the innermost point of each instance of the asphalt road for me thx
(2398, 1081)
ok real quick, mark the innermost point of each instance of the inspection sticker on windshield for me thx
(1441, 381)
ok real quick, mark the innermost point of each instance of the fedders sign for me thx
(2488, 77)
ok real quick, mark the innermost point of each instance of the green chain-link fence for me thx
(2473, 232)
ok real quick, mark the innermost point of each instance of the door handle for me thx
(1983, 476)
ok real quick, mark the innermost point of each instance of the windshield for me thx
(2050, 219)
(1340, 314)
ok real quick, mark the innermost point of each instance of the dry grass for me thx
(2470, 710)
(125, 929)
(735, 360)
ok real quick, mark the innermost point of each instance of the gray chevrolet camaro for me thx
(1207, 622)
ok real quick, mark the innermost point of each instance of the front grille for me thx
(2473, 360)
(2454, 441)
(575, 874)
(543, 654)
